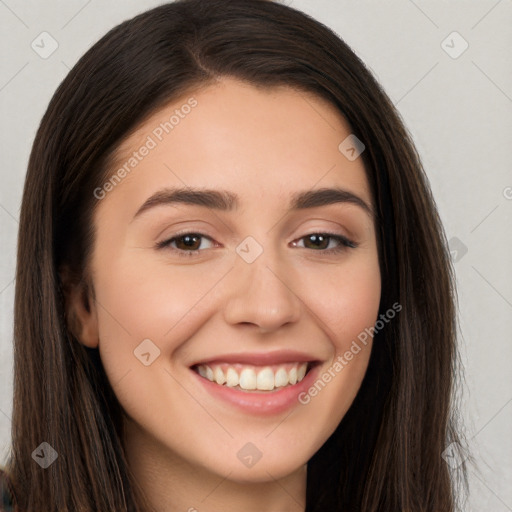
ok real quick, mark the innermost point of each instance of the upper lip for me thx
(261, 358)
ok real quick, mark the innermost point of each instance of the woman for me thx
(263, 371)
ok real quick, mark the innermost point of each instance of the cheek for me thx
(149, 299)
(345, 300)
(143, 317)
(346, 305)
(139, 301)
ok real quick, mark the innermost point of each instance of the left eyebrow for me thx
(225, 200)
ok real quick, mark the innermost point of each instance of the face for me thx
(225, 322)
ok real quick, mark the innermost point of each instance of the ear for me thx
(80, 307)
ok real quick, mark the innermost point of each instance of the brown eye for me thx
(318, 241)
(187, 244)
(321, 241)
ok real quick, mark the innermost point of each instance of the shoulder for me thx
(6, 495)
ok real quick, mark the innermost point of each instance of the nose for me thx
(262, 294)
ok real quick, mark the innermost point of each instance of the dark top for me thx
(7, 501)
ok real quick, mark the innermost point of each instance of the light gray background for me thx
(457, 109)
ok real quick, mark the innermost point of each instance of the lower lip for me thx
(261, 403)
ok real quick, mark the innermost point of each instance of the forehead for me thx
(233, 135)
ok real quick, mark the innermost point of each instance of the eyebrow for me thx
(225, 200)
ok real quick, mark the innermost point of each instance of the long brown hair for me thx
(386, 454)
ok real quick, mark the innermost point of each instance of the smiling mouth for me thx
(252, 378)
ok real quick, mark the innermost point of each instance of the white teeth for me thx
(249, 377)
(218, 375)
(231, 378)
(292, 376)
(281, 378)
(266, 379)
(301, 372)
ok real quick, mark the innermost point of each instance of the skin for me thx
(263, 145)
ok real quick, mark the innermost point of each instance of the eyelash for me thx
(345, 243)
